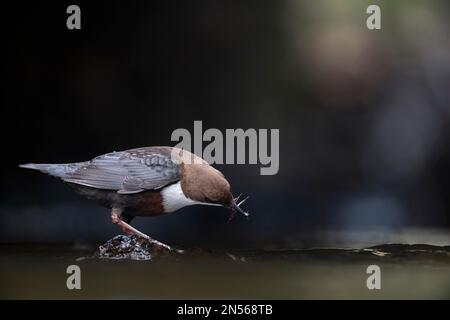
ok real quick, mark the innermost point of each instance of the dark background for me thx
(363, 115)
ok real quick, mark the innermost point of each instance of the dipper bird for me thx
(146, 181)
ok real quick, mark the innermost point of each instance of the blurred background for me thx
(363, 115)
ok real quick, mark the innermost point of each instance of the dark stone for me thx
(127, 247)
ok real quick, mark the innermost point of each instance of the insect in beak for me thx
(236, 207)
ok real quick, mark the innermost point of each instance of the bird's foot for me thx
(129, 230)
(160, 246)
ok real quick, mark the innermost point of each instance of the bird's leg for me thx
(116, 218)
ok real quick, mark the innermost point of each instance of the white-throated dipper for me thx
(146, 181)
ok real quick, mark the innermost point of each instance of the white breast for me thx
(173, 198)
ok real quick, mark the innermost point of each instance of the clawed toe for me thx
(116, 217)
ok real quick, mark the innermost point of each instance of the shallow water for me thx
(39, 272)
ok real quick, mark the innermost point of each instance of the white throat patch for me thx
(173, 198)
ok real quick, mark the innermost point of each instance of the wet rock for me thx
(136, 248)
(127, 247)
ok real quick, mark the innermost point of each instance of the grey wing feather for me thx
(127, 172)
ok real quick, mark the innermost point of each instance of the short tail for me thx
(56, 170)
